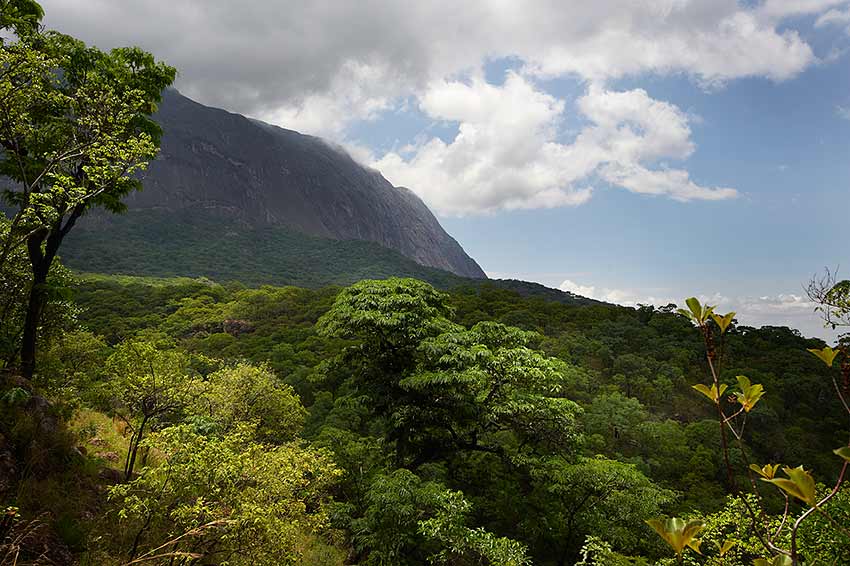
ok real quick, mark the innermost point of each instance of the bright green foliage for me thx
(723, 549)
(826, 354)
(714, 393)
(78, 140)
(393, 313)
(476, 384)
(595, 496)
(227, 499)
(630, 370)
(843, 452)
(799, 484)
(408, 520)
(75, 128)
(597, 552)
(697, 313)
(750, 393)
(778, 560)
(678, 533)
(20, 16)
(150, 388)
(723, 321)
(768, 471)
(251, 394)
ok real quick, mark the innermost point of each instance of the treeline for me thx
(401, 425)
(183, 421)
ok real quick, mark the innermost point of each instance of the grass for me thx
(101, 435)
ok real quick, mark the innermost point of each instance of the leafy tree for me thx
(150, 386)
(20, 16)
(832, 296)
(245, 393)
(409, 520)
(74, 128)
(59, 314)
(591, 496)
(223, 500)
(796, 485)
(473, 386)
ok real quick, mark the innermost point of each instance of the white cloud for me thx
(291, 57)
(323, 65)
(783, 309)
(506, 154)
(781, 9)
(835, 17)
(623, 297)
(843, 112)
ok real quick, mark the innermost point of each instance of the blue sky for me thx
(631, 151)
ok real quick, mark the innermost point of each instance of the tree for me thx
(20, 16)
(386, 321)
(795, 484)
(150, 385)
(75, 127)
(251, 394)
(223, 500)
(590, 496)
(59, 313)
(408, 521)
(831, 296)
(475, 386)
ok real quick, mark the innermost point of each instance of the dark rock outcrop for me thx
(215, 161)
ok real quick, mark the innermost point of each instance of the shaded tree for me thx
(75, 128)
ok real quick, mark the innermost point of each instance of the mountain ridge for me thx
(224, 163)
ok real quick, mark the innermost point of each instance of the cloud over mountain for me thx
(321, 66)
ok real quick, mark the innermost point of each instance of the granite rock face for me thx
(217, 162)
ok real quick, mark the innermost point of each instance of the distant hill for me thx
(234, 199)
(196, 244)
(257, 179)
(156, 243)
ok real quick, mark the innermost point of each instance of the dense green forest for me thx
(177, 421)
(403, 425)
(162, 244)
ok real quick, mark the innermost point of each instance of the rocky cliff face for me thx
(222, 163)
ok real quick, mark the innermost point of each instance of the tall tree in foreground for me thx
(75, 127)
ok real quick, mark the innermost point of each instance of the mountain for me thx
(188, 243)
(217, 165)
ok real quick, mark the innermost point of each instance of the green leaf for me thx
(827, 354)
(711, 392)
(780, 560)
(723, 321)
(800, 485)
(677, 533)
(686, 314)
(768, 471)
(695, 306)
(750, 393)
(726, 546)
(843, 452)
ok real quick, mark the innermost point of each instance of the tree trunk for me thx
(135, 441)
(37, 299)
(42, 246)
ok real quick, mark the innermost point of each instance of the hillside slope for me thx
(216, 163)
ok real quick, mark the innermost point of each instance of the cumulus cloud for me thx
(843, 112)
(266, 55)
(322, 65)
(782, 309)
(623, 297)
(835, 17)
(506, 154)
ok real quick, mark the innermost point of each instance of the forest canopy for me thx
(177, 421)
